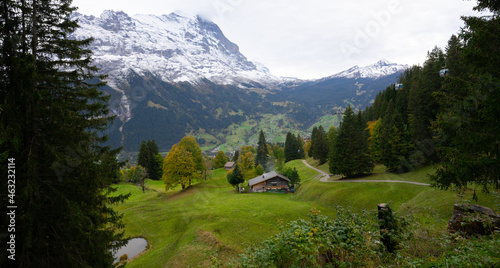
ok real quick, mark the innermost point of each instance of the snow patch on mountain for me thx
(377, 70)
(174, 47)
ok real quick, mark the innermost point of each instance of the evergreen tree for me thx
(468, 122)
(262, 152)
(331, 136)
(147, 158)
(293, 175)
(422, 105)
(300, 147)
(51, 115)
(143, 156)
(279, 158)
(235, 177)
(314, 136)
(350, 155)
(376, 142)
(319, 145)
(291, 147)
(236, 156)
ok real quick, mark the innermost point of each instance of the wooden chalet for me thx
(229, 165)
(269, 181)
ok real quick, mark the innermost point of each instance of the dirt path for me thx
(323, 176)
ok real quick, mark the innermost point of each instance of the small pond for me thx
(132, 248)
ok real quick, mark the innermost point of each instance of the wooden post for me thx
(387, 225)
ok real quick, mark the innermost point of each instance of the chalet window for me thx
(274, 183)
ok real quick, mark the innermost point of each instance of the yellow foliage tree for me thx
(178, 168)
(247, 163)
(220, 159)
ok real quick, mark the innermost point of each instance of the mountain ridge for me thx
(172, 75)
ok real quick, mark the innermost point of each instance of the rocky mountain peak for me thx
(174, 47)
(379, 69)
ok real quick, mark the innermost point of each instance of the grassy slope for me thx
(184, 228)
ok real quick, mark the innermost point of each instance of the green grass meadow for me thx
(209, 219)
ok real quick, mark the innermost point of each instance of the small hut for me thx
(229, 165)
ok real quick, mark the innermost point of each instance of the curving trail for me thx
(323, 176)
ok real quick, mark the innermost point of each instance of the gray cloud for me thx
(311, 39)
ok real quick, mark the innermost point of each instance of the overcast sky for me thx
(317, 38)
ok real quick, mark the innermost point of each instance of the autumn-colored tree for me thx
(307, 147)
(220, 159)
(246, 164)
(190, 144)
(259, 170)
(246, 149)
(130, 174)
(123, 175)
(178, 168)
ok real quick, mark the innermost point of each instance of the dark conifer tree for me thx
(50, 119)
(236, 156)
(143, 156)
(148, 159)
(235, 177)
(468, 122)
(262, 153)
(319, 143)
(350, 154)
(314, 136)
(291, 147)
(300, 147)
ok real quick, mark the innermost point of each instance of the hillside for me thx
(209, 220)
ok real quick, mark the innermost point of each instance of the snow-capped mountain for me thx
(173, 47)
(170, 75)
(377, 70)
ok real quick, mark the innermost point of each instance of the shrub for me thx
(347, 240)
(123, 257)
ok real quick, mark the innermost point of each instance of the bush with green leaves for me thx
(347, 240)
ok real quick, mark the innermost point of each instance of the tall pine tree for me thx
(262, 152)
(51, 115)
(148, 158)
(291, 147)
(468, 122)
(350, 155)
(319, 145)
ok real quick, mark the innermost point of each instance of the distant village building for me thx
(269, 181)
(229, 165)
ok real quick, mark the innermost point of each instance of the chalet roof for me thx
(265, 177)
(229, 165)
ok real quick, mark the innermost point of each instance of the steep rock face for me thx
(174, 47)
